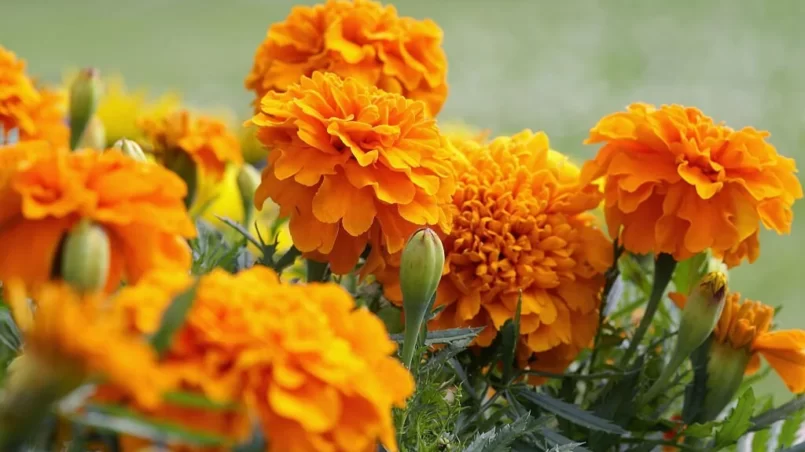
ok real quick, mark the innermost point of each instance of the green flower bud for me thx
(248, 181)
(421, 266)
(130, 148)
(94, 136)
(86, 257)
(85, 93)
(699, 318)
(725, 371)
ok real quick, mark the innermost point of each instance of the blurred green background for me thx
(547, 65)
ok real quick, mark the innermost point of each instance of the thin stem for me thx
(317, 271)
(611, 276)
(581, 377)
(663, 270)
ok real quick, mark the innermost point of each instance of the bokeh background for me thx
(547, 65)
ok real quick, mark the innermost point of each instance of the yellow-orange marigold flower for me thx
(520, 223)
(47, 191)
(206, 140)
(352, 165)
(678, 183)
(359, 38)
(34, 114)
(316, 372)
(745, 325)
(71, 338)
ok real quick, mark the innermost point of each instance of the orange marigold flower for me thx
(520, 223)
(34, 114)
(47, 192)
(315, 371)
(206, 140)
(352, 165)
(678, 183)
(361, 39)
(70, 338)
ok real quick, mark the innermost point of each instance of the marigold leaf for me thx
(501, 439)
(509, 334)
(738, 421)
(459, 337)
(760, 442)
(697, 430)
(788, 432)
(569, 412)
(559, 442)
(173, 319)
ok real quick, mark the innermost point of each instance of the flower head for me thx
(361, 39)
(35, 114)
(120, 109)
(678, 183)
(352, 165)
(315, 371)
(520, 225)
(139, 205)
(74, 337)
(207, 141)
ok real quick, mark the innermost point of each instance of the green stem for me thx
(663, 270)
(413, 326)
(317, 271)
(661, 382)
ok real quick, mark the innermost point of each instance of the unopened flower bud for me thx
(85, 93)
(699, 318)
(94, 136)
(130, 148)
(421, 267)
(86, 257)
(248, 180)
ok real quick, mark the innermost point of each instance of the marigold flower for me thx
(361, 39)
(678, 183)
(352, 165)
(315, 371)
(520, 224)
(35, 114)
(120, 109)
(74, 337)
(206, 140)
(138, 204)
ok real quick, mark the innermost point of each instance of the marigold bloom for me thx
(138, 204)
(360, 39)
(520, 224)
(33, 113)
(315, 371)
(352, 165)
(678, 183)
(78, 337)
(119, 110)
(206, 140)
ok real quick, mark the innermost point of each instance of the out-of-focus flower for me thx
(299, 358)
(352, 165)
(120, 109)
(460, 132)
(250, 146)
(520, 223)
(138, 204)
(33, 113)
(361, 39)
(207, 141)
(678, 183)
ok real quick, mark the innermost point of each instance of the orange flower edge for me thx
(700, 184)
(352, 165)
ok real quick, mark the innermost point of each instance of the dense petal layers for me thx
(32, 113)
(315, 371)
(47, 191)
(206, 140)
(352, 165)
(678, 183)
(520, 224)
(361, 39)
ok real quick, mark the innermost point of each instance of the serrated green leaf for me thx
(557, 441)
(760, 442)
(697, 430)
(173, 319)
(459, 337)
(500, 439)
(769, 417)
(788, 432)
(569, 412)
(510, 334)
(738, 421)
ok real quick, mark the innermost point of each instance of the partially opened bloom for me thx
(352, 165)
(520, 224)
(317, 373)
(207, 141)
(33, 113)
(138, 205)
(678, 183)
(361, 39)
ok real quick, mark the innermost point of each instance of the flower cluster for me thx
(361, 39)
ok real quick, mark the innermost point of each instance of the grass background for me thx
(547, 65)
